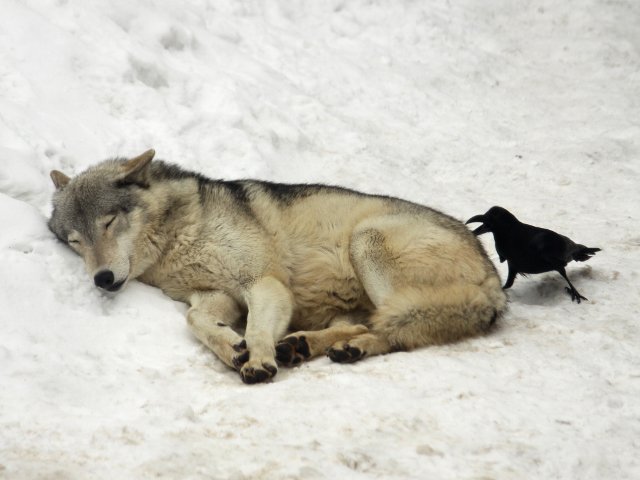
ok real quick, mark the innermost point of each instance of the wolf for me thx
(277, 274)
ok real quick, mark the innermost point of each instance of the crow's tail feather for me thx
(582, 253)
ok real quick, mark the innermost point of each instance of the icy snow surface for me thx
(461, 105)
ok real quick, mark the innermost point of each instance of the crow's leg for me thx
(510, 277)
(571, 289)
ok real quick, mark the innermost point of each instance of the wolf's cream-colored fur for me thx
(351, 275)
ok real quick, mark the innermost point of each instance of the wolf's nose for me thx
(104, 279)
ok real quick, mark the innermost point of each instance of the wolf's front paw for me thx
(259, 374)
(292, 350)
(253, 370)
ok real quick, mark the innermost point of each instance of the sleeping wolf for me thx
(350, 274)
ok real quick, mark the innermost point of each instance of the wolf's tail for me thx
(582, 253)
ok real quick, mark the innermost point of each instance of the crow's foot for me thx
(575, 296)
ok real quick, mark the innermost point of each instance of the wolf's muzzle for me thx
(105, 280)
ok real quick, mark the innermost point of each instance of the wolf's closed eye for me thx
(108, 224)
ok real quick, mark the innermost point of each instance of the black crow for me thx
(529, 249)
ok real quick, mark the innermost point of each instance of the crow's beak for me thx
(482, 228)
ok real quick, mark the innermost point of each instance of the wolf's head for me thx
(98, 214)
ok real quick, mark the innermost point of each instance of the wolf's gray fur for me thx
(350, 274)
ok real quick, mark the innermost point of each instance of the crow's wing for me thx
(550, 247)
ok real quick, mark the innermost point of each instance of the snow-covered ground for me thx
(533, 105)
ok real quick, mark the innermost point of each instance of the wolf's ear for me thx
(60, 180)
(136, 170)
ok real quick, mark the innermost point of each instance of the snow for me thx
(532, 105)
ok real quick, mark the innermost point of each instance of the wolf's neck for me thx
(171, 209)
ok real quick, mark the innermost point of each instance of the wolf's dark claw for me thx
(241, 359)
(271, 369)
(239, 347)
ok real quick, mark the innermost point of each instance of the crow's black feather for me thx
(529, 249)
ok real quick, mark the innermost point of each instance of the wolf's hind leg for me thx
(426, 291)
(211, 318)
(420, 316)
(373, 263)
(305, 345)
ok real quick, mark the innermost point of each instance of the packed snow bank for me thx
(460, 106)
